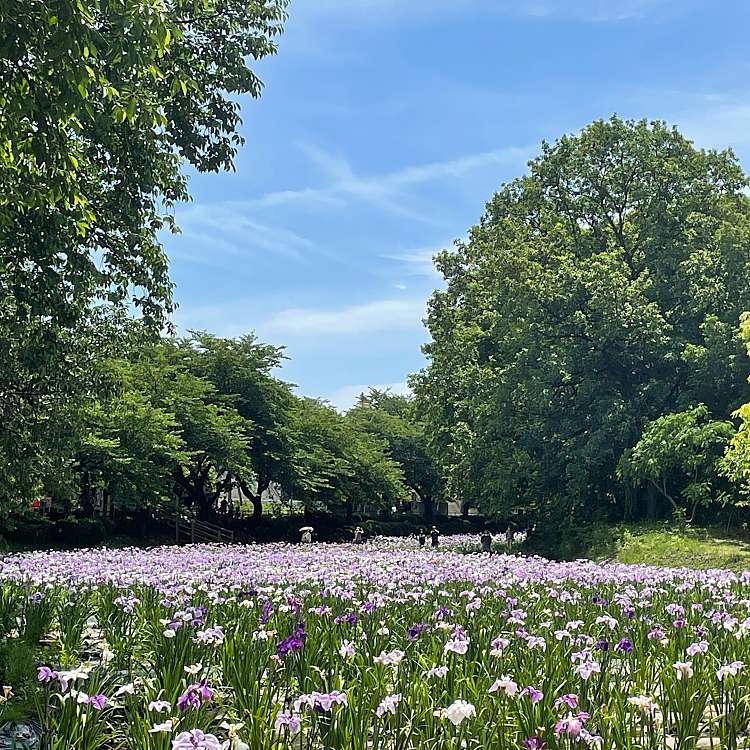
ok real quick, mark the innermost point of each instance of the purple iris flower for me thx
(569, 699)
(195, 696)
(293, 642)
(265, 614)
(534, 743)
(98, 701)
(45, 674)
(206, 693)
(534, 695)
(350, 619)
(625, 645)
(189, 699)
(416, 630)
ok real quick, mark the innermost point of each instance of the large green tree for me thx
(598, 293)
(102, 104)
(678, 458)
(339, 466)
(241, 370)
(390, 417)
(165, 432)
(129, 445)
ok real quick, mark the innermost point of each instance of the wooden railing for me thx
(190, 529)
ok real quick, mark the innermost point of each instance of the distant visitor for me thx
(486, 541)
(434, 536)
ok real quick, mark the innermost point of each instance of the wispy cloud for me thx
(390, 190)
(379, 315)
(596, 11)
(345, 397)
(712, 119)
(721, 122)
(227, 228)
(418, 262)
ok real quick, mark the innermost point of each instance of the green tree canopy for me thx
(339, 466)
(390, 417)
(598, 293)
(102, 103)
(128, 445)
(678, 456)
(191, 442)
(240, 369)
(735, 464)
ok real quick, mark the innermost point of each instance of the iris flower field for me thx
(382, 646)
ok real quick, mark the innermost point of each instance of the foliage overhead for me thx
(102, 104)
(391, 418)
(598, 293)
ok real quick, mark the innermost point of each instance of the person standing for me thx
(434, 537)
(421, 537)
(486, 542)
(359, 535)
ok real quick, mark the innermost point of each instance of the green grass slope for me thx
(670, 546)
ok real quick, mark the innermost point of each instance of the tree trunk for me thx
(663, 492)
(650, 504)
(202, 502)
(428, 505)
(349, 505)
(87, 504)
(256, 498)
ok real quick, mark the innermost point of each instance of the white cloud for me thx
(390, 190)
(229, 227)
(345, 397)
(597, 11)
(418, 262)
(226, 228)
(719, 122)
(456, 167)
(379, 315)
(711, 119)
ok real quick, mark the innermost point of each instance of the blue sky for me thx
(385, 127)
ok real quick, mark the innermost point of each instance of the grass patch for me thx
(670, 546)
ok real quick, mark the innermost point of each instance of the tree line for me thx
(588, 356)
(193, 419)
